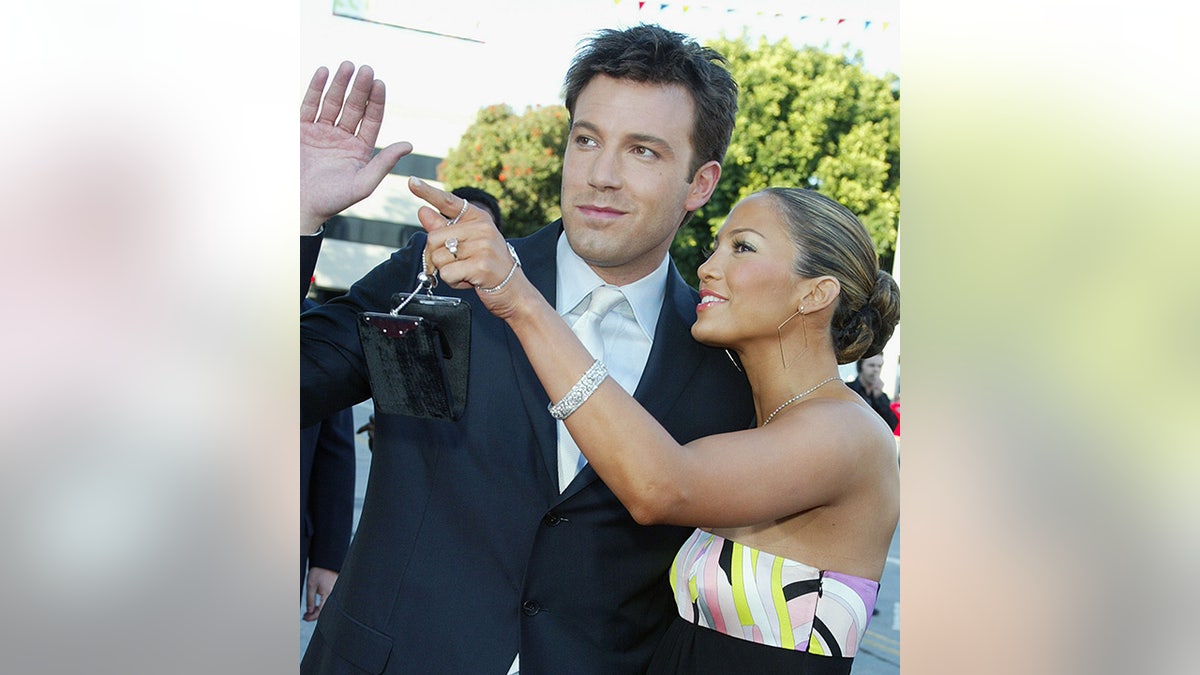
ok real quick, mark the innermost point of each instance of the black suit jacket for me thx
(326, 488)
(465, 551)
(880, 403)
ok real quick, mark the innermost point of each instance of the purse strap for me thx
(426, 282)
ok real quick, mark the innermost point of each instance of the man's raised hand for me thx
(337, 136)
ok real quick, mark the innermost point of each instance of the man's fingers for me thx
(378, 167)
(311, 612)
(310, 597)
(356, 102)
(372, 117)
(337, 91)
(312, 97)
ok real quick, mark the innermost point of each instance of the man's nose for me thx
(605, 171)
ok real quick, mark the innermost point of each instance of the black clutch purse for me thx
(418, 360)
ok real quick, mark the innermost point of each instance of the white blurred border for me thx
(1049, 152)
(148, 463)
(148, 351)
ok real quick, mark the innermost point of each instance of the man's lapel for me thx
(674, 356)
(539, 262)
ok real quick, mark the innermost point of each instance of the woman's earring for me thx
(734, 361)
(779, 332)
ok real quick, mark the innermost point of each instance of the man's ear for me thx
(702, 185)
(822, 292)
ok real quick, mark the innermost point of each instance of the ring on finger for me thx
(460, 215)
(452, 246)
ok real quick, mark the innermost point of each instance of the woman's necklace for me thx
(797, 397)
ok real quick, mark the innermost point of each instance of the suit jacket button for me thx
(530, 608)
(552, 519)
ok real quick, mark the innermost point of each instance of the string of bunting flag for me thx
(834, 20)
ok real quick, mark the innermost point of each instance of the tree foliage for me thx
(517, 158)
(806, 118)
(812, 119)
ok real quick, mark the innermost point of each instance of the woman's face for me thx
(747, 286)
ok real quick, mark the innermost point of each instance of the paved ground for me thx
(880, 650)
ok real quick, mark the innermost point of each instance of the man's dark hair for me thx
(481, 198)
(654, 55)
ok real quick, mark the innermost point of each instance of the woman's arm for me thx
(724, 480)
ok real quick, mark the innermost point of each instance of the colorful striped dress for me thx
(744, 610)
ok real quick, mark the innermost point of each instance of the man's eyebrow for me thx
(643, 139)
(648, 139)
(586, 126)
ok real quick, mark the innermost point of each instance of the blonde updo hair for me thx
(831, 241)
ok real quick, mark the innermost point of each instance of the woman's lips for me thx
(709, 298)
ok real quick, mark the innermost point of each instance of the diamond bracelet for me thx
(516, 263)
(583, 389)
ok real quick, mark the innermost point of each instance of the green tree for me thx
(517, 158)
(806, 118)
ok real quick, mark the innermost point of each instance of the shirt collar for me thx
(576, 280)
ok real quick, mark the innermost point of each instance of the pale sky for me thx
(476, 53)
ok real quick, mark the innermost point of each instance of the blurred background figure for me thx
(326, 502)
(484, 200)
(870, 387)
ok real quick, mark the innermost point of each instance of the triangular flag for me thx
(841, 21)
(867, 25)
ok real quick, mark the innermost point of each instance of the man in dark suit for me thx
(870, 387)
(479, 549)
(484, 200)
(326, 502)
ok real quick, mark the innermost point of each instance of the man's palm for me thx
(331, 169)
(338, 130)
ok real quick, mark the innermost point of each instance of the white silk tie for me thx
(601, 301)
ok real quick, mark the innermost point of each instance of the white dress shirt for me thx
(628, 335)
(628, 331)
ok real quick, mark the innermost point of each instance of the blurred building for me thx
(367, 233)
(386, 35)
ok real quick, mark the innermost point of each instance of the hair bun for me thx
(865, 332)
(884, 308)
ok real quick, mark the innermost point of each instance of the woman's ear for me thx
(822, 292)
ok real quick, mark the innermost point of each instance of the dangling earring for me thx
(734, 361)
(779, 332)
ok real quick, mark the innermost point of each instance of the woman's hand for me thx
(468, 251)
